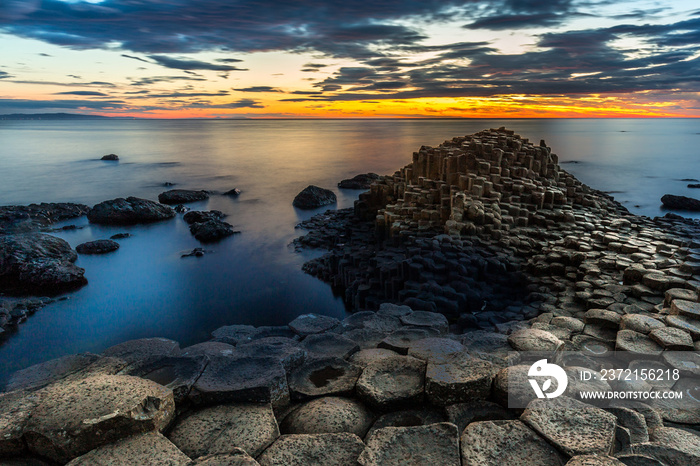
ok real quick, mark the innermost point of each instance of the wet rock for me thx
(38, 263)
(640, 323)
(573, 427)
(182, 196)
(391, 382)
(407, 418)
(323, 377)
(210, 349)
(149, 448)
(329, 345)
(431, 444)
(435, 349)
(497, 443)
(133, 351)
(232, 192)
(663, 454)
(211, 230)
(120, 236)
(678, 439)
(101, 246)
(72, 418)
(110, 157)
(242, 379)
(308, 324)
(129, 211)
(313, 449)
(362, 181)
(400, 341)
(42, 374)
(200, 216)
(633, 421)
(221, 429)
(463, 414)
(24, 219)
(680, 202)
(196, 252)
(364, 357)
(458, 379)
(427, 319)
(288, 351)
(690, 325)
(313, 197)
(329, 415)
(685, 410)
(174, 372)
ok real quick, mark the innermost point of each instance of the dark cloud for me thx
(186, 64)
(228, 60)
(258, 89)
(5, 75)
(22, 104)
(158, 79)
(515, 21)
(242, 103)
(73, 84)
(82, 93)
(171, 95)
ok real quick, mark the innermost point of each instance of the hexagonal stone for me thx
(407, 418)
(366, 338)
(233, 334)
(573, 427)
(431, 444)
(242, 379)
(150, 448)
(145, 348)
(685, 308)
(594, 460)
(237, 457)
(678, 439)
(559, 332)
(370, 320)
(401, 340)
(637, 344)
(329, 345)
(688, 362)
(435, 349)
(679, 293)
(639, 323)
(42, 374)
(210, 349)
(329, 415)
(569, 323)
(658, 281)
(632, 459)
(392, 382)
(176, 373)
(661, 453)
(498, 443)
(313, 449)
(603, 318)
(673, 339)
(427, 319)
(15, 409)
(511, 386)
(308, 324)
(394, 310)
(534, 340)
(577, 384)
(286, 350)
(364, 357)
(490, 346)
(463, 414)
(221, 429)
(72, 418)
(633, 421)
(323, 377)
(685, 410)
(458, 379)
(688, 324)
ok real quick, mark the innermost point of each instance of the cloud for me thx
(157, 79)
(187, 64)
(72, 84)
(83, 93)
(8, 105)
(258, 89)
(242, 103)
(5, 75)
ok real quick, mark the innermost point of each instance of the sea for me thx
(146, 289)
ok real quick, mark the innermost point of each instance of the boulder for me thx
(232, 192)
(313, 197)
(434, 444)
(313, 449)
(497, 443)
(221, 429)
(323, 377)
(38, 263)
(329, 415)
(680, 202)
(211, 230)
(182, 196)
(362, 181)
(129, 211)
(199, 216)
(391, 382)
(150, 448)
(101, 246)
(110, 157)
(74, 417)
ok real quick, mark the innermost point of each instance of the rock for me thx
(211, 230)
(232, 192)
(685, 308)
(15, 410)
(38, 263)
(435, 350)
(196, 252)
(329, 345)
(463, 414)
(637, 344)
(362, 181)
(313, 197)
(392, 382)
(511, 387)
(24, 219)
(497, 443)
(45, 373)
(174, 372)
(134, 351)
(329, 415)
(400, 341)
(150, 448)
(111, 157)
(685, 410)
(690, 325)
(182, 196)
(666, 456)
(209, 349)
(594, 460)
(573, 427)
(288, 351)
(672, 339)
(458, 379)
(407, 418)
(308, 324)
(74, 417)
(678, 439)
(200, 216)
(534, 340)
(432, 444)
(242, 379)
(313, 449)
(640, 323)
(221, 429)
(129, 211)
(101, 246)
(120, 236)
(633, 421)
(694, 185)
(237, 457)
(364, 357)
(427, 319)
(680, 202)
(323, 377)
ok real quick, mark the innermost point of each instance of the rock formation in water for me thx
(100, 246)
(362, 181)
(110, 157)
(313, 197)
(129, 211)
(182, 196)
(207, 226)
(680, 202)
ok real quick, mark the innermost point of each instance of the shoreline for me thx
(593, 278)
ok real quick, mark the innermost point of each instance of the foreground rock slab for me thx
(432, 445)
(222, 429)
(75, 417)
(151, 448)
(313, 450)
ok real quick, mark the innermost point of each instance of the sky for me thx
(351, 59)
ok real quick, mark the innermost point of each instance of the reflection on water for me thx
(146, 289)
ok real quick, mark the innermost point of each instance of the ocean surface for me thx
(146, 289)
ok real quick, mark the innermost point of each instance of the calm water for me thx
(145, 289)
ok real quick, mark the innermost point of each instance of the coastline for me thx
(588, 271)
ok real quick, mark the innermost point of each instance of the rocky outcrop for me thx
(129, 211)
(680, 202)
(100, 246)
(201, 216)
(19, 219)
(313, 197)
(38, 263)
(232, 192)
(362, 181)
(182, 196)
(110, 157)
(207, 226)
